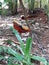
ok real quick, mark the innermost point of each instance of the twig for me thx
(16, 42)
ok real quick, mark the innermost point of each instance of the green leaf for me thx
(27, 51)
(16, 34)
(1, 57)
(18, 56)
(39, 59)
(9, 41)
(47, 63)
(3, 48)
(28, 46)
(18, 37)
(11, 60)
(16, 64)
(8, 0)
(10, 51)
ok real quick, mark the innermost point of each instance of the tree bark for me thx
(40, 4)
(21, 3)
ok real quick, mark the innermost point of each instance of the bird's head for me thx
(22, 17)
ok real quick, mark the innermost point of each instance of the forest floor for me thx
(40, 46)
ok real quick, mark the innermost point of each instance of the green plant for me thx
(12, 6)
(46, 11)
(31, 4)
(17, 58)
(26, 50)
(0, 8)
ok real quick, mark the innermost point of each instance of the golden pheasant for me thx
(20, 28)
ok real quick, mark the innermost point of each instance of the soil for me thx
(40, 46)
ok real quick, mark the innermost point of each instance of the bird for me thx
(20, 28)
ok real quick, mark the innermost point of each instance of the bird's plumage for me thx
(20, 28)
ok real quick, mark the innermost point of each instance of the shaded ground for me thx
(40, 44)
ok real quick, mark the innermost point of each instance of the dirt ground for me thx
(40, 44)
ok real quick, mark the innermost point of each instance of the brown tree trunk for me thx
(21, 3)
(40, 4)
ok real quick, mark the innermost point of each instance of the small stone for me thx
(41, 63)
(40, 46)
(34, 43)
(24, 39)
(44, 51)
(40, 19)
(43, 55)
(37, 24)
(48, 45)
(46, 57)
(1, 43)
(6, 57)
(25, 34)
(13, 44)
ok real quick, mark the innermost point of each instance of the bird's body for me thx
(20, 28)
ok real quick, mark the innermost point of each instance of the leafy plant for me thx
(17, 58)
(27, 49)
(0, 8)
(12, 6)
(31, 4)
